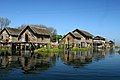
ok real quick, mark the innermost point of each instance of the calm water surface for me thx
(98, 65)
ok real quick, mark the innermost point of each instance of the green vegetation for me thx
(118, 51)
(56, 50)
(47, 50)
(80, 49)
(56, 38)
(5, 49)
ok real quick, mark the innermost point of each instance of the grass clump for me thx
(80, 49)
(47, 50)
(5, 48)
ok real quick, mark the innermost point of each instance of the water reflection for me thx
(81, 59)
(29, 62)
(77, 59)
(35, 63)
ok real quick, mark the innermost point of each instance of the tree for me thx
(4, 22)
(56, 38)
(52, 30)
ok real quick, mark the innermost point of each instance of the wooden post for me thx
(25, 47)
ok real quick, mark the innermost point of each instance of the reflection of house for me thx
(9, 34)
(34, 34)
(7, 61)
(77, 59)
(99, 41)
(36, 62)
(78, 38)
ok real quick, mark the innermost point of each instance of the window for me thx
(79, 39)
(68, 39)
(42, 38)
(87, 38)
(1, 37)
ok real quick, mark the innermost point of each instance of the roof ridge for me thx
(83, 32)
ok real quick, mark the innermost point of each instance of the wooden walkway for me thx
(23, 45)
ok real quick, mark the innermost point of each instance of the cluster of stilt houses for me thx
(81, 38)
(33, 35)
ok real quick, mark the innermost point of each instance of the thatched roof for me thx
(99, 38)
(84, 33)
(79, 34)
(35, 30)
(38, 30)
(12, 31)
(74, 35)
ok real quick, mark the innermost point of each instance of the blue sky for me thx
(100, 17)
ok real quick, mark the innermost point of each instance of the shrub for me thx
(80, 49)
(47, 50)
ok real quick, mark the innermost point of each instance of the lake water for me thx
(67, 65)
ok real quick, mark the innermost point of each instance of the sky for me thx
(99, 17)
